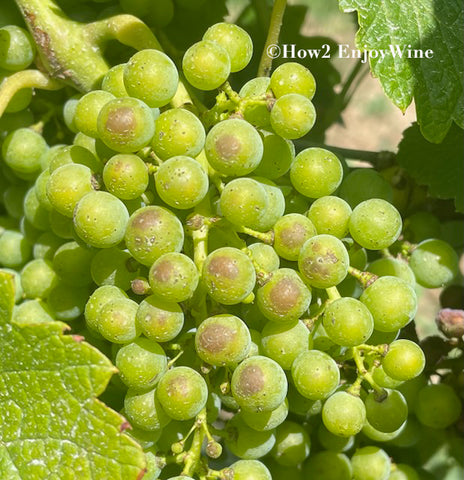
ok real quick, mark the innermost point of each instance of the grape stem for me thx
(277, 15)
(333, 294)
(365, 374)
(364, 278)
(174, 360)
(192, 458)
(265, 237)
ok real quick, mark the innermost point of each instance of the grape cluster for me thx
(238, 317)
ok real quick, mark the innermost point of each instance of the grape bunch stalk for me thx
(257, 298)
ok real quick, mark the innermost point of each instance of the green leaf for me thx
(440, 167)
(436, 84)
(52, 427)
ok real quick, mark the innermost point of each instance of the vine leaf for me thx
(51, 424)
(436, 83)
(440, 167)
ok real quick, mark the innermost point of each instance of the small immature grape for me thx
(234, 147)
(74, 154)
(292, 444)
(328, 465)
(259, 384)
(100, 219)
(144, 410)
(15, 249)
(403, 472)
(392, 302)
(348, 322)
(384, 380)
(182, 393)
(234, 40)
(158, 319)
(141, 363)
(228, 275)
(387, 414)
(377, 436)
(113, 266)
(222, 340)
(389, 266)
(99, 298)
(292, 77)
(371, 463)
(438, 406)
(285, 297)
(152, 231)
(344, 414)
(116, 320)
(181, 182)
(38, 278)
(178, 132)
(87, 110)
(250, 470)
(151, 76)
(125, 176)
(434, 263)
(61, 225)
(67, 301)
(265, 421)
(316, 172)
(323, 261)
(293, 116)
(72, 263)
(32, 311)
(34, 212)
(375, 224)
(330, 215)
(17, 48)
(264, 256)
(113, 81)
(206, 65)
(126, 124)
(278, 156)
(290, 233)
(275, 205)
(333, 442)
(404, 360)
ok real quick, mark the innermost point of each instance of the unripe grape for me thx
(404, 360)
(371, 463)
(293, 116)
(292, 77)
(290, 233)
(344, 414)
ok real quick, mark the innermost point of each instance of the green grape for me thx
(257, 114)
(99, 298)
(125, 124)
(32, 311)
(278, 156)
(28, 230)
(68, 301)
(250, 470)
(259, 384)
(113, 266)
(153, 470)
(116, 320)
(234, 147)
(125, 176)
(392, 302)
(222, 340)
(151, 76)
(410, 390)
(284, 342)
(245, 442)
(255, 348)
(434, 263)
(41, 190)
(279, 471)
(74, 154)
(332, 442)
(13, 201)
(404, 360)
(316, 172)
(292, 444)
(173, 277)
(61, 225)
(34, 212)
(67, 185)
(291, 77)
(386, 414)
(403, 472)
(265, 421)
(375, 224)
(206, 65)
(344, 414)
(17, 49)
(113, 81)
(18, 288)
(275, 205)
(141, 363)
(421, 226)
(438, 406)
(300, 405)
(182, 393)
(328, 465)
(323, 261)
(144, 410)
(293, 116)
(88, 109)
(181, 182)
(364, 184)
(152, 231)
(384, 380)
(330, 215)
(23, 150)
(290, 233)
(377, 436)
(15, 249)
(38, 278)
(228, 275)
(393, 267)
(234, 40)
(370, 463)
(380, 338)
(348, 322)
(285, 297)
(178, 132)
(264, 257)
(315, 374)
(72, 263)
(158, 319)
(244, 202)
(409, 435)
(69, 112)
